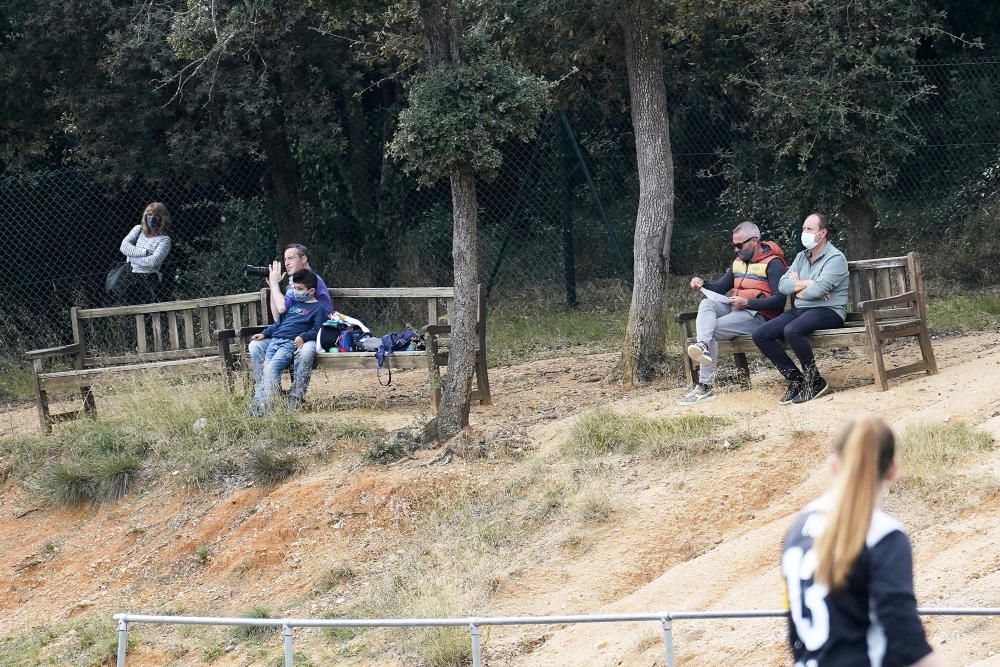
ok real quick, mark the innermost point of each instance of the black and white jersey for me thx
(872, 620)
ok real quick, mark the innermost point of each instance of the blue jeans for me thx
(302, 364)
(267, 369)
(794, 325)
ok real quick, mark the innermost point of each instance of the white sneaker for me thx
(699, 394)
(699, 353)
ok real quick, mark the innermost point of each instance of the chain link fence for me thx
(556, 222)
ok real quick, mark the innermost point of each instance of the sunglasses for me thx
(739, 246)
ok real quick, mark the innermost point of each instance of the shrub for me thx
(271, 469)
(254, 632)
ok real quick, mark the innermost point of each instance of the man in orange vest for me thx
(754, 298)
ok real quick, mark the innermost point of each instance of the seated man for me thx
(819, 280)
(300, 323)
(296, 259)
(754, 299)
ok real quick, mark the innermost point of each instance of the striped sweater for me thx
(145, 253)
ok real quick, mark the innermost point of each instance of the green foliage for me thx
(828, 86)
(15, 381)
(963, 312)
(459, 115)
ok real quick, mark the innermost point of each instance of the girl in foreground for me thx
(848, 566)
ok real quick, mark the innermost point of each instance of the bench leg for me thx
(41, 399)
(483, 379)
(879, 364)
(742, 369)
(89, 404)
(433, 373)
(690, 371)
(926, 351)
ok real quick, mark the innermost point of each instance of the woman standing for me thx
(848, 566)
(145, 248)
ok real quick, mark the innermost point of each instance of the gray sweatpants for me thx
(720, 321)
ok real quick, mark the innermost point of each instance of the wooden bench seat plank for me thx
(368, 360)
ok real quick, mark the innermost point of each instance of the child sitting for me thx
(300, 323)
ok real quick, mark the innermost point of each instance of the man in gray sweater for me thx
(819, 280)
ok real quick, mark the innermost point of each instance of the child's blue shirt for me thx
(301, 319)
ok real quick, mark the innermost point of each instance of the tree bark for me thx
(439, 19)
(283, 176)
(453, 413)
(644, 348)
(860, 216)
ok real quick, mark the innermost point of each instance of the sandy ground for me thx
(692, 537)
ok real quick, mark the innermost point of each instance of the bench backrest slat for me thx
(188, 316)
(165, 355)
(140, 333)
(393, 292)
(881, 278)
(206, 327)
(157, 333)
(172, 336)
(163, 331)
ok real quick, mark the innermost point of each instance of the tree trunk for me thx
(453, 413)
(283, 176)
(644, 348)
(439, 19)
(860, 216)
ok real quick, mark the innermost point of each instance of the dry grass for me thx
(605, 431)
(933, 453)
(148, 428)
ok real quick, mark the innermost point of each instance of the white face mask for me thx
(809, 240)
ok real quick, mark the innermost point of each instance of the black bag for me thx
(116, 278)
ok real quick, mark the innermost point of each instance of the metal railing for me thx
(475, 625)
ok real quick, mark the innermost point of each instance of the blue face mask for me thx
(301, 296)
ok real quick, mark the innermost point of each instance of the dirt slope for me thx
(692, 537)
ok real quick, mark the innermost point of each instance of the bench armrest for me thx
(74, 348)
(436, 329)
(686, 317)
(875, 304)
(246, 332)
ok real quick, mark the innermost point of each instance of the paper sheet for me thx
(714, 296)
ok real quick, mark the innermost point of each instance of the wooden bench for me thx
(188, 344)
(886, 301)
(436, 337)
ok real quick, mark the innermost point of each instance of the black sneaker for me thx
(794, 389)
(811, 391)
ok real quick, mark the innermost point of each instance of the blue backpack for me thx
(394, 342)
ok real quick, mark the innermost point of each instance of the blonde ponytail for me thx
(865, 450)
